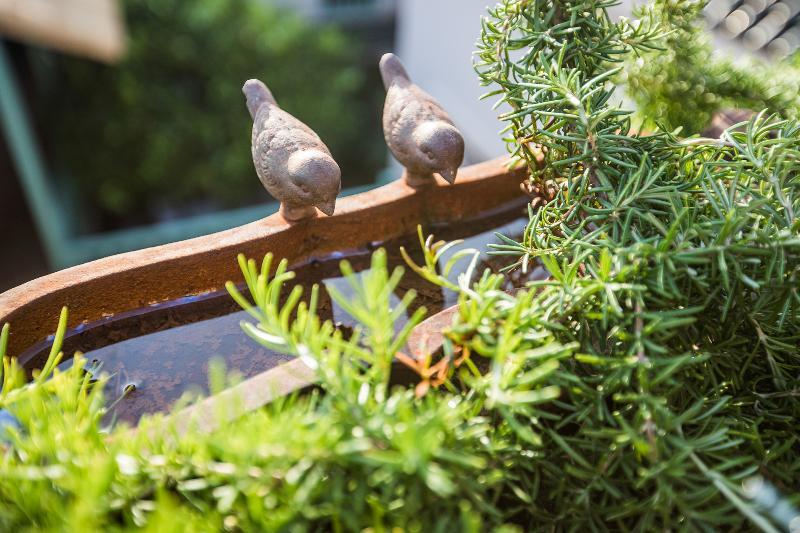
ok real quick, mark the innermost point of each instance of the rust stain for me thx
(426, 339)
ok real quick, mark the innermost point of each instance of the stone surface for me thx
(291, 161)
(417, 129)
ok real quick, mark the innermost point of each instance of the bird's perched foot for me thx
(417, 180)
(425, 179)
(293, 213)
(418, 131)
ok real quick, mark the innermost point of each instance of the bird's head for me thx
(441, 147)
(257, 94)
(315, 179)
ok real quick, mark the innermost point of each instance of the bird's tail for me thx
(392, 70)
(257, 94)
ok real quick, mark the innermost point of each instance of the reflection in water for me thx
(163, 365)
(162, 352)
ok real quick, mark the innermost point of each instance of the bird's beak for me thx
(327, 207)
(449, 175)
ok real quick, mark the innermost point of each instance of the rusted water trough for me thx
(107, 288)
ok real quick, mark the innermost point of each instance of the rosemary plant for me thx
(674, 265)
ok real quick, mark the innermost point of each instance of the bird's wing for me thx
(264, 161)
(399, 120)
(430, 108)
(270, 146)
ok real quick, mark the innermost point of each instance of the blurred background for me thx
(123, 124)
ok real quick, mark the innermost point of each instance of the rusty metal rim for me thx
(137, 279)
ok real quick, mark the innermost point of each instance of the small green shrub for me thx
(169, 124)
(360, 454)
(674, 267)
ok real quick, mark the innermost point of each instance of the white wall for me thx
(435, 40)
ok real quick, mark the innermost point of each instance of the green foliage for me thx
(684, 83)
(361, 454)
(483, 451)
(674, 266)
(169, 123)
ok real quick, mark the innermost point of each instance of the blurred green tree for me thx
(685, 82)
(168, 125)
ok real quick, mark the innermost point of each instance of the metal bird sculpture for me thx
(291, 161)
(417, 129)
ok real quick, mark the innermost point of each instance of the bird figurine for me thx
(417, 129)
(291, 161)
